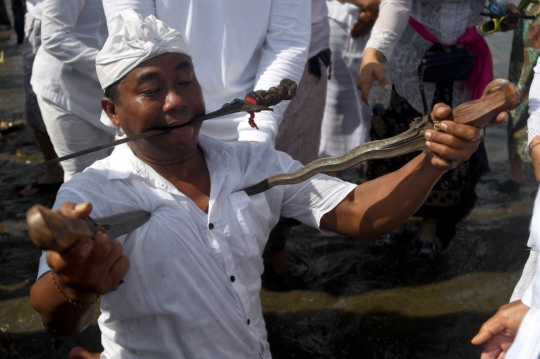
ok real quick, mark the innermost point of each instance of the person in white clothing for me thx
(347, 118)
(192, 274)
(239, 46)
(316, 118)
(65, 81)
(514, 331)
(299, 133)
(53, 176)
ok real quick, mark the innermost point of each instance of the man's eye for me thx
(184, 83)
(151, 91)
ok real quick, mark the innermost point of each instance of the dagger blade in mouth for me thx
(233, 107)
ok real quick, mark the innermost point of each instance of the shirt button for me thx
(248, 321)
(211, 226)
(232, 278)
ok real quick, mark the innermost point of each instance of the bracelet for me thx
(531, 147)
(70, 301)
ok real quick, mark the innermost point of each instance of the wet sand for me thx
(343, 298)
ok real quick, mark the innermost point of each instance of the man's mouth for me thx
(172, 126)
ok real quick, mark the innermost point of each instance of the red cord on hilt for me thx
(284, 91)
(251, 120)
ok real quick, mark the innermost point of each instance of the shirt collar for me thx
(124, 162)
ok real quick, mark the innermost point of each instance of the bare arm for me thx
(387, 30)
(92, 264)
(377, 207)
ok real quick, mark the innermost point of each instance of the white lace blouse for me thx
(403, 47)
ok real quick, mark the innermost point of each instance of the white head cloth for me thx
(132, 41)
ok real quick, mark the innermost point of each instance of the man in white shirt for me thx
(65, 81)
(191, 274)
(54, 175)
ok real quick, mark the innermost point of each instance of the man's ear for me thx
(109, 106)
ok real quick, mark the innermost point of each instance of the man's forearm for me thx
(377, 207)
(58, 315)
(399, 195)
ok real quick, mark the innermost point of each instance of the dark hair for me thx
(111, 92)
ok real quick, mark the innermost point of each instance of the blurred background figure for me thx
(347, 118)
(54, 175)
(5, 22)
(404, 32)
(18, 9)
(65, 81)
(299, 133)
(525, 53)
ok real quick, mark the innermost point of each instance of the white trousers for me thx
(70, 134)
(347, 118)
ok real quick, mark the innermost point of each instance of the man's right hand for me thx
(87, 262)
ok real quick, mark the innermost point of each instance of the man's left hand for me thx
(455, 143)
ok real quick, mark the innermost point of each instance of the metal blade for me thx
(233, 107)
(122, 223)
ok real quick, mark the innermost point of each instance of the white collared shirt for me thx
(192, 289)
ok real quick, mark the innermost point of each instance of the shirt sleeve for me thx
(310, 200)
(523, 289)
(284, 55)
(57, 38)
(392, 20)
(114, 7)
(533, 123)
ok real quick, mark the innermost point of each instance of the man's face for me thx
(160, 92)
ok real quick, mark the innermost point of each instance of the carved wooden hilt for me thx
(51, 230)
(500, 95)
(284, 91)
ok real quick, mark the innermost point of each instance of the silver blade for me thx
(122, 223)
(233, 107)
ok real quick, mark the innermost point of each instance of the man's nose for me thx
(174, 101)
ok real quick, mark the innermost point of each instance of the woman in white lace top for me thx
(392, 56)
(397, 46)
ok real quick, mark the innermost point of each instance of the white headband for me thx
(132, 41)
